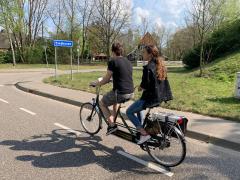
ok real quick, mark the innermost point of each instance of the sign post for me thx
(78, 51)
(55, 63)
(62, 43)
(71, 64)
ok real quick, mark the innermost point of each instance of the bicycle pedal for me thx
(143, 147)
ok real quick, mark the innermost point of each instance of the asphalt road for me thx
(34, 145)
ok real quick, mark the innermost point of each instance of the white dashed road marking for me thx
(148, 164)
(3, 100)
(67, 129)
(1, 85)
(27, 111)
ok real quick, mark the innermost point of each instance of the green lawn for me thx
(200, 95)
(60, 66)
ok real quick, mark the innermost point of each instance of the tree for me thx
(56, 15)
(204, 14)
(144, 25)
(230, 10)
(34, 19)
(70, 11)
(161, 35)
(127, 40)
(24, 19)
(5, 22)
(85, 8)
(110, 18)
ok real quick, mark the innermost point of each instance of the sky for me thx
(169, 13)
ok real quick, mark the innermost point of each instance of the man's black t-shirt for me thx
(121, 68)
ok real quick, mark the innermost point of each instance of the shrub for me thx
(224, 40)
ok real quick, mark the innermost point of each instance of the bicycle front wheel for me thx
(90, 118)
(170, 151)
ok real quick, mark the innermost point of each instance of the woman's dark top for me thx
(155, 91)
(148, 83)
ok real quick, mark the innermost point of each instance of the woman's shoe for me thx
(143, 139)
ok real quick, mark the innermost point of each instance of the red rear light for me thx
(180, 120)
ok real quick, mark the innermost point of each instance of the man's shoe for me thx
(111, 129)
(143, 139)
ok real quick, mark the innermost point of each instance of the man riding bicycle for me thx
(120, 70)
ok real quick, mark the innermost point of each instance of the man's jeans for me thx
(136, 108)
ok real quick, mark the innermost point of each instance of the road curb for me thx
(213, 140)
(50, 96)
(191, 134)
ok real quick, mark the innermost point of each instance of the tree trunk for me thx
(13, 52)
(201, 59)
(108, 53)
(83, 43)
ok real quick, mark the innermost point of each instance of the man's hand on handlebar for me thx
(93, 84)
(96, 83)
(140, 89)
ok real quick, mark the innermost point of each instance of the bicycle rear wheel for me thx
(169, 152)
(90, 118)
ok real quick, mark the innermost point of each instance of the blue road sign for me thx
(62, 43)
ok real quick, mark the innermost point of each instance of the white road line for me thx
(27, 111)
(67, 128)
(3, 100)
(148, 164)
(1, 85)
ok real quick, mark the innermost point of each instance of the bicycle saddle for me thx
(153, 105)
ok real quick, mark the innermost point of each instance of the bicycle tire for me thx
(183, 154)
(82, 120)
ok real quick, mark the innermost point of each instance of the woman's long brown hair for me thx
(160, 65)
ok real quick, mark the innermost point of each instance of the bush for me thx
(191, 59)
(35, 55)
(224, 40)
(2, 57)
(5, 57)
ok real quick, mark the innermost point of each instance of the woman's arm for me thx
(145, 79)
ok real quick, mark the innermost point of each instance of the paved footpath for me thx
(208, 129)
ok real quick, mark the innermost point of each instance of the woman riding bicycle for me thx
(152, 72)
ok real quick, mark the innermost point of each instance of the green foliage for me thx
(2, 57)
(230, 9)
(5, 57)
(224, 40)
(34, 55)
(191, 58)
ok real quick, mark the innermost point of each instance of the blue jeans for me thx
(136, 108)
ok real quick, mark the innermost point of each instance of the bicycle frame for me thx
(133, 133)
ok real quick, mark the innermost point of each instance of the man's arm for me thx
(105, 79)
